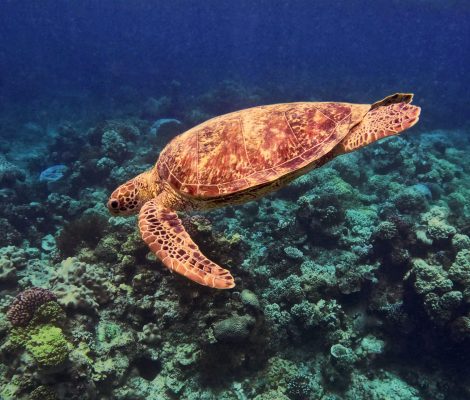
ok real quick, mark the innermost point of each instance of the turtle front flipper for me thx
(164, 233)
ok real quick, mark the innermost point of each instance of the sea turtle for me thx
(239, 157)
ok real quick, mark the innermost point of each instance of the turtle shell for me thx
(252, 147)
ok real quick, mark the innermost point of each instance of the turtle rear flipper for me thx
(166, 237)
(378, 123)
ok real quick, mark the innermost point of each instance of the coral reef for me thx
(351, 282)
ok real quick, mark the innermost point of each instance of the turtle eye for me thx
(114, 204)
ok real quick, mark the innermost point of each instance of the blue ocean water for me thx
(352, 282)
(357, 50)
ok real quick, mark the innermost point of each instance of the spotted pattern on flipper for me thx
(166, 237)
(379, 123)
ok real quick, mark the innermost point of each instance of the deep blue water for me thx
(88, 51)
(352, 283)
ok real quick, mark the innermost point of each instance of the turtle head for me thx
(128, 198)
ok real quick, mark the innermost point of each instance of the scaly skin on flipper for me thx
(241, 156)
(379, 123)
(166, 237)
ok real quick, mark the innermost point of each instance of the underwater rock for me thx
(111, 336)
(150, 334)
(86, 230)
(48, 243)
(347, 168)
(64, 205)
(154, 108)
(369, 347)
(278, 321)
(7, 271)
(110, 370)
(105, 165)
(227, 96)
(10, 173)
(165, 128)
(114, 146)
(8, 234)
(272, 395)
(80, 286)
(460, 329)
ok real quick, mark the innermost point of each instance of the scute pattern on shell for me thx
(247, 148)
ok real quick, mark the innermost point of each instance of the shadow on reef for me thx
(352, 283)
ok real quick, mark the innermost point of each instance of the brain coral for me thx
(26, 303)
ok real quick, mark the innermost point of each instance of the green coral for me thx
(441, 308)
(430, 278)
(323, 314)
(42, 393)
(111, 336)
(278, 372)
(272, 395)
(384, 388)
(110, 369)
(19, 336)
(437, 226)
(48, 313)
(343, 355)
(233, 329)
(43, 337)
(48, 346)
(461, 242)
(460, 269)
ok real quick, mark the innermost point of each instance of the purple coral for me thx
(26, 303)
